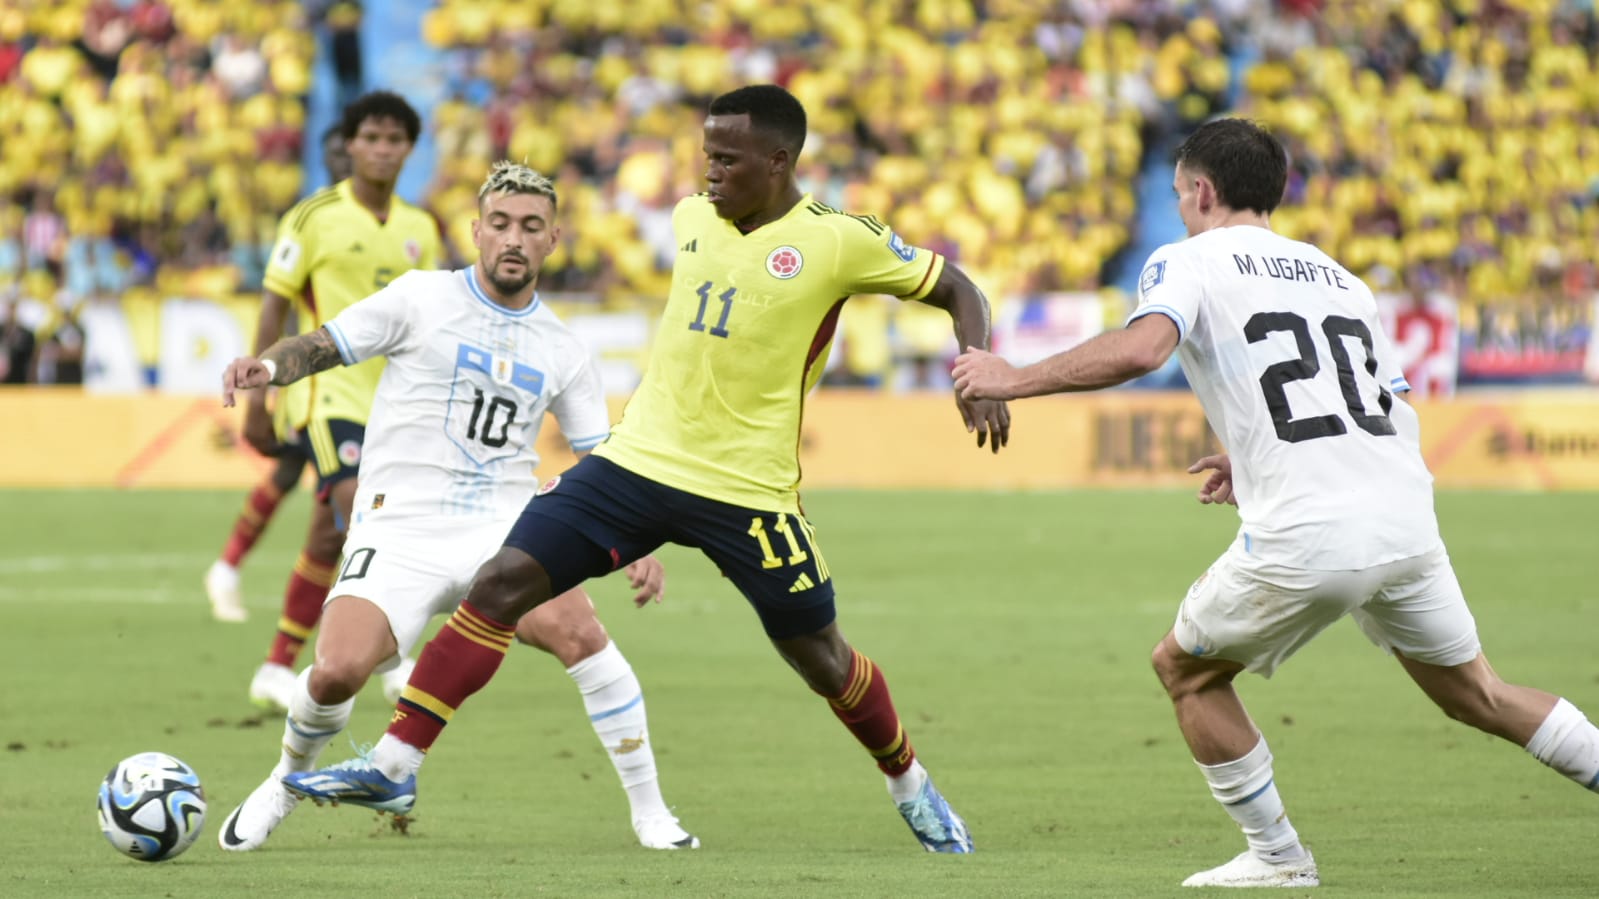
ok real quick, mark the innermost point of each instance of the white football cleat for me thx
(272, 687)
(1249, 870)
(222, 587)
(394, 681)
(248, 826)
(661, 831)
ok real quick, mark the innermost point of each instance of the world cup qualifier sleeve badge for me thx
(784, 263)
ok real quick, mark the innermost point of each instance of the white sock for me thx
(1568, 743)
(308, 727)
(905, 787)
(396, 758)
(1247, 789)
(615, 705)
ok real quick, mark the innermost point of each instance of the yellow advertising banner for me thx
(62, 437)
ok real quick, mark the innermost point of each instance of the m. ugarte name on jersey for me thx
(1284, 268)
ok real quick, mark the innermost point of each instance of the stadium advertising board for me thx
(1534, 440)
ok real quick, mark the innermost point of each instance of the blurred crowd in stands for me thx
(1438, 145)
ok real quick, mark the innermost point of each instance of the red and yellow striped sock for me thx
(456, 663)
(868, 711)
(253, 518)
(302, 607)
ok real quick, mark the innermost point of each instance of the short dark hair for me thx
(1247, 165)
(771, 109)
(380, 105)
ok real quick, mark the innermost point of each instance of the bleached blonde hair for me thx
(507, 177)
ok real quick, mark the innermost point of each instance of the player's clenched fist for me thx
(244, 373)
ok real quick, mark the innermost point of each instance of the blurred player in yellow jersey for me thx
(334, 248)
(706, 456)
(288, 412)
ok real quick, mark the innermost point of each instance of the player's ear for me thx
(780, 162)
(477, 229)
(1205, 196)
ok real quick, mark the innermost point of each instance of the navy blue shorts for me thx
(598, 516)
(334, 445)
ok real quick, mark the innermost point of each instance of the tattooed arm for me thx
(284, 362)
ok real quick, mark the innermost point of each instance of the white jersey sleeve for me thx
(580, 407)
(1169, 286)
(375, 326)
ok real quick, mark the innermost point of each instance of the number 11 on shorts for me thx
(770, 559)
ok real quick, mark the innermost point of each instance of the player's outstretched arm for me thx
(956, 294)
(284, 362)
(1105, 361)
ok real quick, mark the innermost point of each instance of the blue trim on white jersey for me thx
(1400, 385)
(619, 709)
(477, 291)
(342, 342)
(1175, 316)
(587, 443)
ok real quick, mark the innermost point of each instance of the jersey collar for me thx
(347, 190)
(805, 200)
(470, 274)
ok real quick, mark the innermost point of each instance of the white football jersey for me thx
(1285, 350)
(460, 403)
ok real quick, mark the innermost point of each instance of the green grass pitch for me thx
(1014, 630)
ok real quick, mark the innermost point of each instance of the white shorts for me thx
(1258, 614)
(415, 569)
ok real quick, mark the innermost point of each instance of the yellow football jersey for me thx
(744, 336)
(331, 252)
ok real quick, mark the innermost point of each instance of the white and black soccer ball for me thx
(152, 807)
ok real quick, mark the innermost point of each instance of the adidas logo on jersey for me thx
(355, 247)
(692, 246)
(802, 584)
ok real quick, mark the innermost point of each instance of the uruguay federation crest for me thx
(784, 263)
(1153, 275)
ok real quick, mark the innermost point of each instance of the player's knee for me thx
(1183, 674)
(333, 680)
(1167, 668)
(287, 473)
(508, 586)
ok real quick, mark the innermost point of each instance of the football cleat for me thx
(935, 824)
(357, 782)
(394, 680)
(248, 826)
(272, 687)
(1250, 870)
(661, 831)
(222, 587)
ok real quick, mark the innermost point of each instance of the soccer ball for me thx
(152, 807)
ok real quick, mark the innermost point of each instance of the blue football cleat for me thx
(935, 824)
(357, 782)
